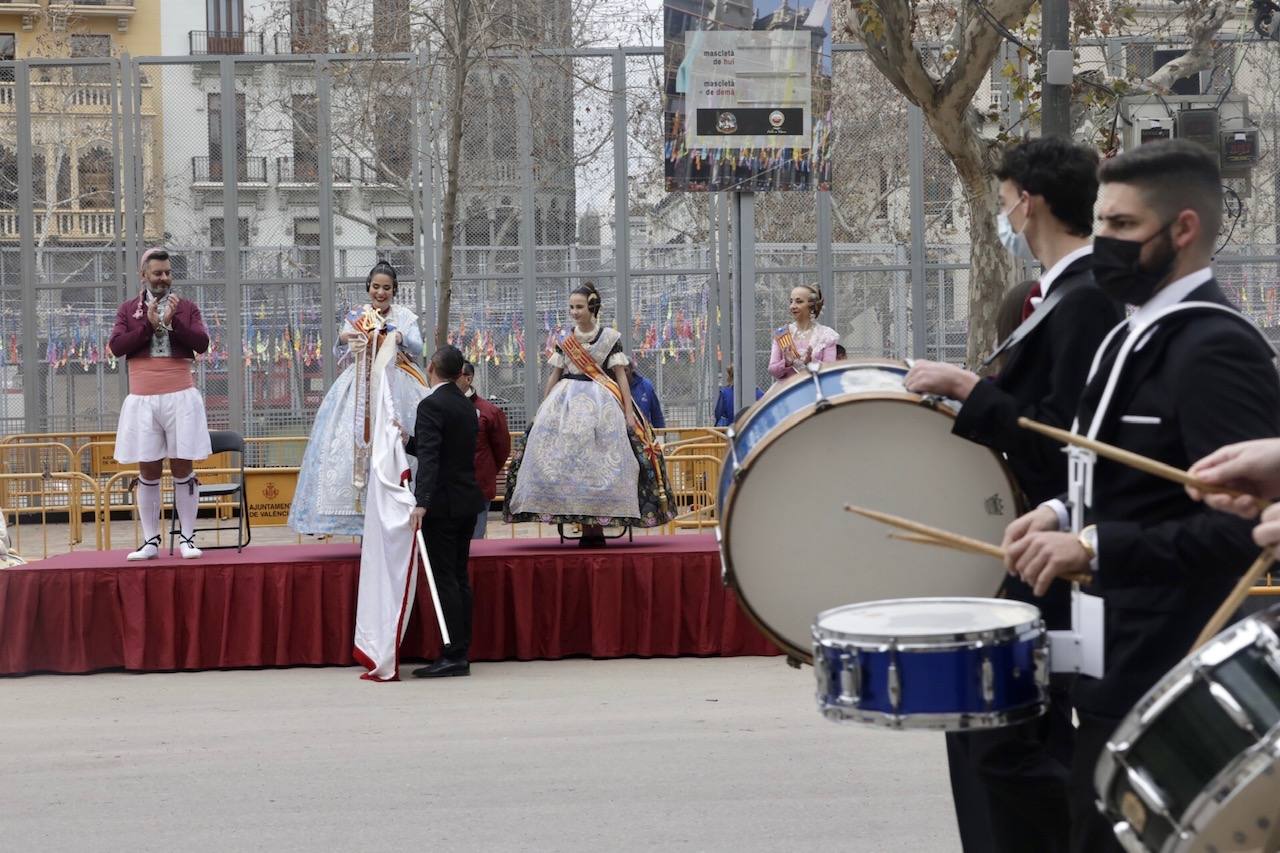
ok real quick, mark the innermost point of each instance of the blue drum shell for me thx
(937, 682)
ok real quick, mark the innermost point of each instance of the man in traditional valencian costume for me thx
(160, 333)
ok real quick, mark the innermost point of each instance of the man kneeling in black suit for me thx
(449, 499)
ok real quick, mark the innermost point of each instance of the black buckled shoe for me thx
(443, 668)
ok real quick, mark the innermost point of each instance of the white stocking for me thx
(148, 498)
(186, 501)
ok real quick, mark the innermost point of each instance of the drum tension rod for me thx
(732, 435)
(988, 682)
(895, 681)
(820, 403)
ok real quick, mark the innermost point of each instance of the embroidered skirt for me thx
(580, 464)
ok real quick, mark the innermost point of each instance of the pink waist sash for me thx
(149, 376)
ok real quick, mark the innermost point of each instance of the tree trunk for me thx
(449, 211)
(991, 269)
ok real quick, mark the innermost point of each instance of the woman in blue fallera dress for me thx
(331, 483)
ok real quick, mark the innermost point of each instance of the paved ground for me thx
(690, 754)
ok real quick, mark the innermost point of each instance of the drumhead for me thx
(792, 551)
(920, 619)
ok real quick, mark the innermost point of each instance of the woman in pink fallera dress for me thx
(804, 339)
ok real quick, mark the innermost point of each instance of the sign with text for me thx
(748, 95)
(269, 495)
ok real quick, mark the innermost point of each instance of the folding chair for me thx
(222, 441)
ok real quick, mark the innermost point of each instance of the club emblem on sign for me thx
(994, 505)
(270, 492)
(776, 119)
(727, 122)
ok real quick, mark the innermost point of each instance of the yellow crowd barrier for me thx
(24, 495)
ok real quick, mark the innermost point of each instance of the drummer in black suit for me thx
(1010, 785)
(1174, 383)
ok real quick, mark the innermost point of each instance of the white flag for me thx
(388, 556)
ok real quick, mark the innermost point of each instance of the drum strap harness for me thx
(1027, 326)
(1081, 649)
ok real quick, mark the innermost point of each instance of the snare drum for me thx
(932, 663)
(852, 435)
(1195, 766)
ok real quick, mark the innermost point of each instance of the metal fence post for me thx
(233, 295)
(33, 410)
(528, 256)
(426, 297)
(724, 283)
(919, 300)
(621, 201)
(324, 159)
(826, 276)
(744, 302)
(129, 235)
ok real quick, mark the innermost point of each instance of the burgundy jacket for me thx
(493, 445)
(131, 336)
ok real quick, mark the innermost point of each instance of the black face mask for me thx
(1120, 273)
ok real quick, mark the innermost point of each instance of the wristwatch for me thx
(1089, 541)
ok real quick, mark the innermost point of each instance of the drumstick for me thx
(920, 539)
(1135, 460)
(1236, 598)
(976, 546)
(955, 540)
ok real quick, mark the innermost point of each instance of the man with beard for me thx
(1182, 377)
(160, 333)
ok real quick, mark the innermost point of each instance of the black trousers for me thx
(1090, 831)
(449, 548)
(1010, 785)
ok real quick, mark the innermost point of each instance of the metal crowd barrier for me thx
(27, 495)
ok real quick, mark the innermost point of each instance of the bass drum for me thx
(853, 434)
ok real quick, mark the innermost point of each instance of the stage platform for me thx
(295, 605)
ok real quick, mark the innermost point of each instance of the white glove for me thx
(358, 344)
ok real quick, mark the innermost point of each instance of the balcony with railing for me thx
(71, 225)
(208, 171)
(84, 95)
(16, 6)
(304, 172)
(101, 7)
(121, 10)
(214, 43)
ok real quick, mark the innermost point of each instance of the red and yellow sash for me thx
(578, 354)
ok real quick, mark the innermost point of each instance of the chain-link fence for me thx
(278, 180)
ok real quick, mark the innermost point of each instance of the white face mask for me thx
(1014, 242)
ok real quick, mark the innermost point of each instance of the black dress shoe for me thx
(443, 667)
(591, 542)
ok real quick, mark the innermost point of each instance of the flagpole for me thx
(431, 582)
